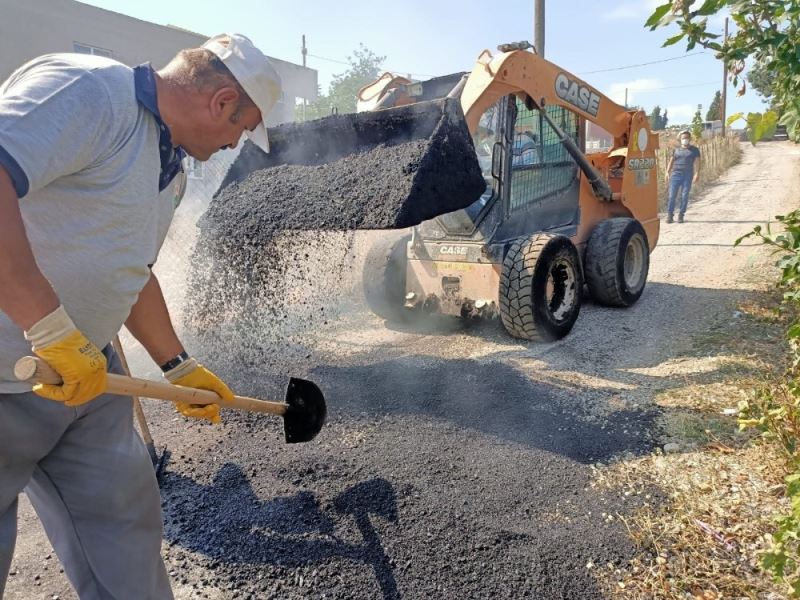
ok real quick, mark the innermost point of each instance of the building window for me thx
(87, 49)
(194, 168)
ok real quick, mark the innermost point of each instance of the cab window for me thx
(541, 167)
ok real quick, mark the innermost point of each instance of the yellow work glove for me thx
(193, 375)
(81, 364)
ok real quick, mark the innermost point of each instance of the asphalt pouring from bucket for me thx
(386, 169)
(375, 170)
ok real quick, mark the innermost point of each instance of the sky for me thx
(589, 38)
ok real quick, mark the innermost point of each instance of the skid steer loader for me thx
(552, 217)
(510, 214)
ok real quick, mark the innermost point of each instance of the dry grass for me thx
(701, 539)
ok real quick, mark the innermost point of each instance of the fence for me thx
(716, 156)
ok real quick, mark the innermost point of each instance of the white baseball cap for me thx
(255, 74)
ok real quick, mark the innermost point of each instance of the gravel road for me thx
(457, 463)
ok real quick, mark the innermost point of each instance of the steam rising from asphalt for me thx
(260, 281)
(281, 310)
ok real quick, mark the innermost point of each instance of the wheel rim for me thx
(633, 266)
(561, 289)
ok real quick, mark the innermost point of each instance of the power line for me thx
(654, 62)
(342, 62)
(672, 87)
(689, 85)
(333, 60)
(622, 68)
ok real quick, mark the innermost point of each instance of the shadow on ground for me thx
(519, 393)
(498, 524)
(231, 525)
(447, 478)
(669, 323)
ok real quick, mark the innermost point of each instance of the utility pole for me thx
(538, 26)
(304, 52)
(724, 107)
(626, 97)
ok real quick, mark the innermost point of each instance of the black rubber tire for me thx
(525, 309)
(384, 277)
(617, 262)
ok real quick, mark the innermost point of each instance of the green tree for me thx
(762, 81)
(715, 110)
(313, 110)
(365, 66)
(697, 123)
(657, 120)
(766, 32)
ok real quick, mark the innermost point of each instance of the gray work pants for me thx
(90, 479)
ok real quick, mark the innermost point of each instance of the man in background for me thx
(682, 171)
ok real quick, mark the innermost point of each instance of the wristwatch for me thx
(174, 362)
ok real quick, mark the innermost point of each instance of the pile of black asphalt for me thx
(434, 478)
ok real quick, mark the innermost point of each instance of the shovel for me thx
(138, 412)
(303, 411)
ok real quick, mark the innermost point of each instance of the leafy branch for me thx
(765, 31)
(775, 411)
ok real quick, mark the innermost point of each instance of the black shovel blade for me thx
(306, 412)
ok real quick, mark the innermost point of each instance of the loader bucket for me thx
(386, 169)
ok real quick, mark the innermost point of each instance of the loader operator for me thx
(88, 151)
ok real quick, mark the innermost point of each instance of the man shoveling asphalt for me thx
(89, 149)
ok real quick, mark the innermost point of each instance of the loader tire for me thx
(617, 262)
(540, 287)
(384, 277)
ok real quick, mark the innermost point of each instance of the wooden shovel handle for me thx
(138, 411)
(35, 370)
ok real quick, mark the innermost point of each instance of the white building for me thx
(30, 28)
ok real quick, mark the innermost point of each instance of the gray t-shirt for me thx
(683, 159)
(84, 158)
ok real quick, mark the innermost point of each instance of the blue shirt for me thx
(145, 84)
(683, 159)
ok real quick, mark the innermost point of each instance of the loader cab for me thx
(542, 191)
(532, 183)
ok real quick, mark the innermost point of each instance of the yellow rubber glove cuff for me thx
(81, 365)
(202, 379)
